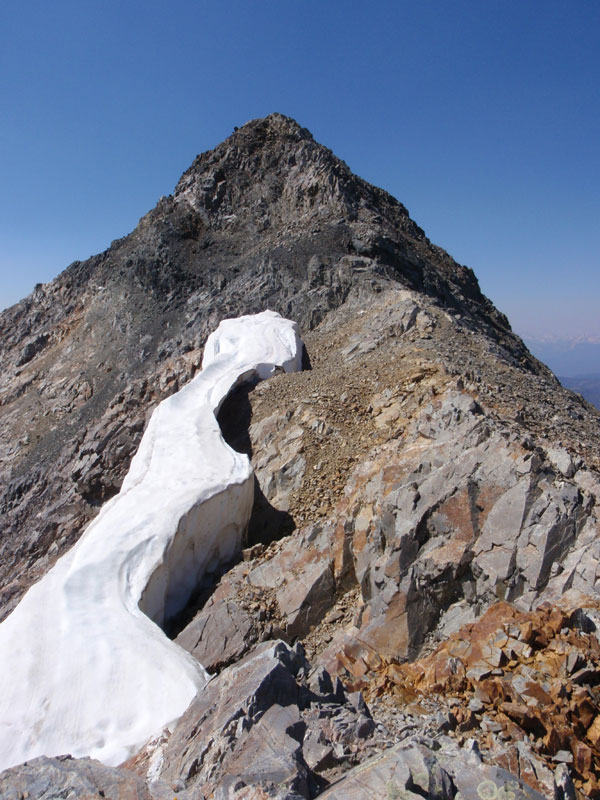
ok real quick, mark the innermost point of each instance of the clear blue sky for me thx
(481, 117)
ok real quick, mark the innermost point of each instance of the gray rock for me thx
(221, 632)
(561, 461)
(305, 600)
(271, 756)
(301, 581)
(258, 724)
(485, 782)
(53, 778)
(398, 773)
(319, 681)
(318, 753)
(221, 737)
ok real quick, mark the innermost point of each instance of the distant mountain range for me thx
(587, 385)
(576, 362)
(572, 357)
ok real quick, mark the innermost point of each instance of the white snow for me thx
(84, 666)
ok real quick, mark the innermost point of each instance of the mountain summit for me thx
(425, 501)
(269, 218)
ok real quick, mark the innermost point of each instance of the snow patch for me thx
(84, 666)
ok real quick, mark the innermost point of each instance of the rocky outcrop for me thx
(421, 498)
(52, 778)
(282, 725)
(418, 497)
(289, 730)
(272, 726)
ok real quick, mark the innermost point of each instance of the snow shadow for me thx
(267, 523)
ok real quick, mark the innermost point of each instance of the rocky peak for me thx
(270, 161)
(426, 468)
(268, 219)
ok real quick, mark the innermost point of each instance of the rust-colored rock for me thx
(531, 695)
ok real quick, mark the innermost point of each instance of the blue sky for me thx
(481, 117)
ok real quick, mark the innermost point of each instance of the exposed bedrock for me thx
(462, 516)
(289, 731)
(97, 675)
(423, 497)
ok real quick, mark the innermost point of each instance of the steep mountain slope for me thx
(426, 468)
(270, 219)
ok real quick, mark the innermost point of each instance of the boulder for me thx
(55, 778)
(266, 724)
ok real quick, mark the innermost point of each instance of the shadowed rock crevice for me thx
(234, 418)
(267, 523)
(175, 624)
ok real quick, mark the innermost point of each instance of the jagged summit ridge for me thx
(310, 178)
(273, 185)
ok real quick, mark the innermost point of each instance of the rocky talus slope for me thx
(416, 613)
